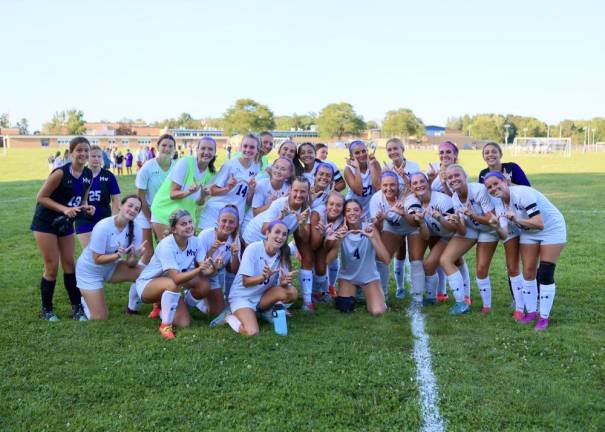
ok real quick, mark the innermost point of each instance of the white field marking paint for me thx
(427, 385)
(584, 211)
(17, 199)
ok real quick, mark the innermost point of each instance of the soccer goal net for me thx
(542, 145)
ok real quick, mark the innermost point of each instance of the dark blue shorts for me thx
(41, 225)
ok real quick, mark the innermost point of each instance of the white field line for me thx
(427, 385)
(17, 199)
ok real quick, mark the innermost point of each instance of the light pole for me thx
(506, 127)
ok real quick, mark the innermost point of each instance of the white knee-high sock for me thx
(457, 286)
(466, 277)
(169, 302)
(399, 272)
(191, 301)
(383, 270)
(333, 272)
(431, 283)
(306, 284)
(85, 307)
(134, 302)
(485, 289)
(530, 295)
(442, 278)
(516, 284)
(320, 283)
(547, 297)
(418, 280)
(407, 270)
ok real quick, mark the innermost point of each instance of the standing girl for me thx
(362, 174)
(492, 155)
(104, 194)
(62, 196)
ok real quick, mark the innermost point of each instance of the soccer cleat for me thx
(485, 310)
(332, 291)
(442, 298)
(460, 308)
(267, 315)
(308, 307)
(48, 315)
(220, 318)
(400, 293)
(129, 311)
(467, 300)
(542, 324)
(155, 312)
(77, 313)
(518, 315)
(528, 318)
(166, 331)
(429, 301)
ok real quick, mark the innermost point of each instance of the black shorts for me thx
(41, 225)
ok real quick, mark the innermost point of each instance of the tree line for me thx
(336, 120)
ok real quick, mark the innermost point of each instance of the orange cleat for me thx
(486, 310)
(155, 312)
(467, 300)
(442, 298)
(518, 315)
(332, 291)
(166, 331)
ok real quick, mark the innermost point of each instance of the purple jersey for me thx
(510, 169)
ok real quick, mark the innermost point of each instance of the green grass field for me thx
(333, 371)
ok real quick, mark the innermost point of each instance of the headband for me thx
(276, 222)
(414, 174)
(231, 210)
(450, 144)
(389, 174)
(209, 139)
(496, 174)
(326, 165)
(285, 159)
(355, 144)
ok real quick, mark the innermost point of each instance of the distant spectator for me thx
(129, 159)
(120, 162)
(58, 160)
(106, 160)
(51, 161)
(66, 158)
(141, 157)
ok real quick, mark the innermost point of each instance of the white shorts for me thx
(143, 221)
(403, 229)
(480, 236)
(244, 302)
(140, 285)
(554, 235)
(91, 277)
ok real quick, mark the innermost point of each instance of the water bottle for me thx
(280, 323)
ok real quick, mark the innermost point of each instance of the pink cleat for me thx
(467, 300)
(529, 318)
(518, 315)
(542, 324)
(485, 310)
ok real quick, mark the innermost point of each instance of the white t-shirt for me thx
(527, 202)
(367, 190)
(481, 203)
(439, 201)
(106, 238)
(168, 255)
(141, 155)
(236, 196)
(179, 173)
(253, 231)
(253, 261)
(379, 203)
(207, 238)
(150, 177)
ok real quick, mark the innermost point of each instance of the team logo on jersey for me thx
(191, 252)
(251, 173)
(104, 179)
(86, 180)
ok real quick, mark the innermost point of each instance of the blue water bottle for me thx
(280, 322)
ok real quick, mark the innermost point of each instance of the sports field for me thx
(333, 371)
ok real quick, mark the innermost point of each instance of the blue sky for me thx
(156, 59)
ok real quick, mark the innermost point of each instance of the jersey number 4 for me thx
(356, 254)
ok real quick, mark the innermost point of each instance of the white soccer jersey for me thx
(168, 255)
(481, 203)
(253, 231)
(357, 260)
(394, 221)
(323, 217)
(253, 261)
(207, 238)
(106, 238)
(264, 194)
(439, 201)
(527, 202)
(150, 177)
(179, 174)
(367, 190)
(236, 196)
(409, 168)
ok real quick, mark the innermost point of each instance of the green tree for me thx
(338, 119)
(402, 123)
(247, 115)
(488, 127)
(75, 122)
(4, 120)
(56, 124)
(23, 126)
(371, 124)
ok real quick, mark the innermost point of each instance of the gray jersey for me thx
(357, 260)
